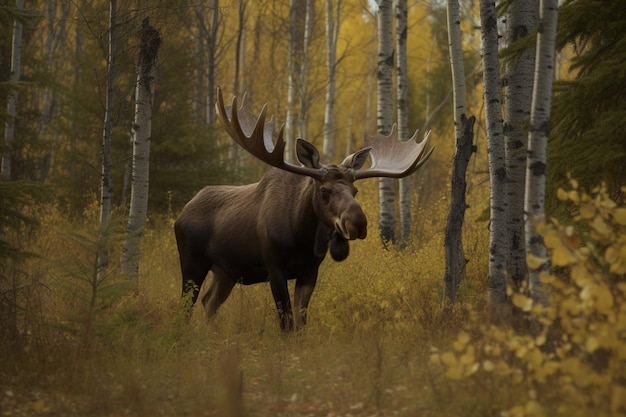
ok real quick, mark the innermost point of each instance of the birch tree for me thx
(386, 192)
(142, 132)
(240, 55)
(454, 253)
(296, 16)
(403, 114)
(102, 257)
(56, 25)
(305, 68)
(521, 19)
(538, 133)
(16, 68)
(496, 281)
(207, 24)
(212, 62)
(332, 32)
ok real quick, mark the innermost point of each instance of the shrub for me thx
(576, 365)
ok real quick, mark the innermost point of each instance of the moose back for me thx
(281, 227)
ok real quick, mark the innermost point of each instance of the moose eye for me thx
(325, 191)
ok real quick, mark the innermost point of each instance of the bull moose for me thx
(281, 227)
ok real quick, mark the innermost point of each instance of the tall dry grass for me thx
(90, 349)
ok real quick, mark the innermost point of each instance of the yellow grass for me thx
(372, 321)
(376, 343)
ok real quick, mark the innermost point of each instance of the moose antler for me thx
(390, 156)
(256, 136)
(394, 158)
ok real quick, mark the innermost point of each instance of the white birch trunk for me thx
(403, 115)
(521, 21)
(456, 62)
(16, 68)
(198, 103)
(48, 129)
(240, 53)
(332, 32)
(496, 280)
(386, 191)
(142, 133)
(538, 132)
(212, 63)
(294, 64)
(102, 257)
(309, 13)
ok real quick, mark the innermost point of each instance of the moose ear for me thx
(307, 154)
(357, 159)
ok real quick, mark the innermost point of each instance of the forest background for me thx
(378, 342)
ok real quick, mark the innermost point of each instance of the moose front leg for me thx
(280, 291)
(304, 289)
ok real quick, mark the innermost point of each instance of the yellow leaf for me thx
(587, 211)
(468, 357)
(552, 240)
(522, 302)
(599, 225)
(611, 254)
(463, 337)
(604, 299)
(607, 203)
(540, 340)
(534, 409)
(592, 344)
(449, 359)
(435, 359)
(619, 215)
(561, 194)
(562, 256)
(574, 196)
(517, 411)
(455, 373)
(488, 366)
(580, 275)
(535, 262)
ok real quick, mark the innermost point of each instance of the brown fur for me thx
(275, 230)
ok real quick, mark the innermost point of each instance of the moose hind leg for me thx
(217, 293)
(194, 271)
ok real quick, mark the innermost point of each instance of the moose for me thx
(281, 227)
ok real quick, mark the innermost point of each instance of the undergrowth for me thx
(377, 342)
(576, 366)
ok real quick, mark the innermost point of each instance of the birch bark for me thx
(521, 19)
(496, 280)
(142, 133)
(386, 191)
(453, 240)
(296, 14)
(16, 68)
(538, 132)
(403, 115)
(332, 32)
(102, 256)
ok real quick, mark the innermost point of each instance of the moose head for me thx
(281, 227)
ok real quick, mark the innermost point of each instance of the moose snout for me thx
(352, 224)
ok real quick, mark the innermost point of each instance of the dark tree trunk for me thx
(453, 241)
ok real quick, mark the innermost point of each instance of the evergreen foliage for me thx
(588, 139)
